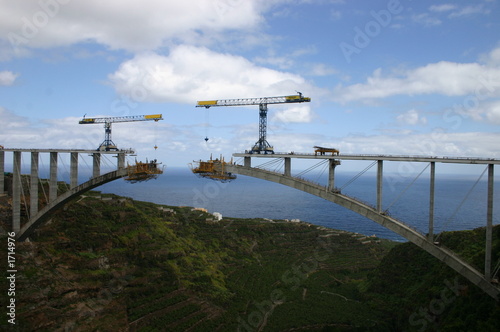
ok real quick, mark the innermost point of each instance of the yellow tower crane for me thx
(261, 146)
(108, 144)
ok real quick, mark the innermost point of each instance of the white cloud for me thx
(321, 69)
(276, 61)
(122, 24)
(493, 112)
(485, 111)
(445, 78)
(191, 73)
(442, 8)
(335, 15)
(426, 20)
(412, 117)
(297, 114)
(469, 10)
(7, 78)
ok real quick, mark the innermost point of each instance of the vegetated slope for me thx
(116, 264)
(108, 263)
(421, 294)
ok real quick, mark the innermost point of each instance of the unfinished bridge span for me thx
(30, 208)
(377, 214)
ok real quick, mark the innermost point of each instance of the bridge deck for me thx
(127, 151)
(453, 160)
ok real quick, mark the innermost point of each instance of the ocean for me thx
(460, 201)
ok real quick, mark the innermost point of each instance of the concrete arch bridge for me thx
(486, 281)
(24, 226)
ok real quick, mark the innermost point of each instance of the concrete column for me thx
(489, 224)
(430, 235)
(53, 177)
(16, 192)
(96, 169)
(121, 160)
(34, 184)
(288, 166)
(331, 174)
(2, 171)
(73, 172)
(247, 161)
(380, 169)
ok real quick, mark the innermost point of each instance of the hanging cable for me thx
(269, 164)
(407, 187)
(66, 169)
(87, 166)
(495, 270)
(358, 175)
(321, 163)
(156, 136)
(207, 123)
(462, 202)
(322, 171)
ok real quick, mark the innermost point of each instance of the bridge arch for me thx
(444, 255)
(53, 206)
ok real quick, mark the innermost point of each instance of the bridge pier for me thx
(489, 224)
(430, 234)
(16, 192)
(121, 160)
(73, 170)
(53, 176)
(332, 163)
(247, 162)
(288, 166)
(34, 184)
(380, 169)
(2, 172)
(96, 168)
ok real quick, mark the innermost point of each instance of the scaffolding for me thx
(143, 171)
(212, 169)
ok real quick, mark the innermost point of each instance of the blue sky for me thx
(385, 77)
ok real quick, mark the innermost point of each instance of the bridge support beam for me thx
(53, 177)
(489, 224)
(380, 168)
(430, 234)
(2, 172)
(288, 166)
(96, 168)
(73, 172)
(34, 184)
(16, 192)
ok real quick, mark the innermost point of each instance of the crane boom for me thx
(108, 144)
(262, 146)
(254, 101)
(114, 119)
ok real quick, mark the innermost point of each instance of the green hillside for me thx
(107, 263)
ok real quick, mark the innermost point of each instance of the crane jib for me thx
(114, 119)
(254, 101)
